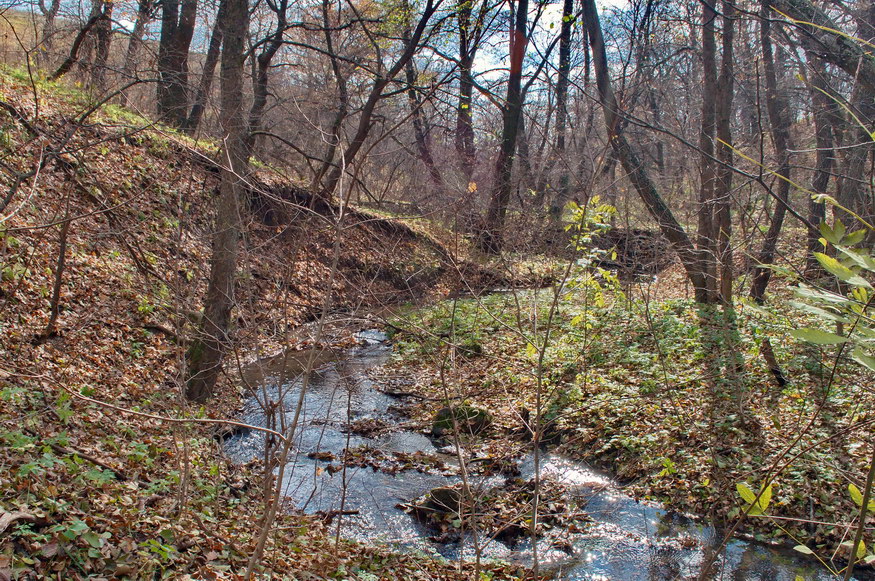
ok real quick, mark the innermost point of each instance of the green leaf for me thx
(822, 313)
(856, 495)
(861, 550)
(803, 549)
(839, 229)
(746, 493)
(817, 336)
(857, 257)
(834, 266)
(822, 296)
(854, 238)
(93, 539)
(863, 359)
(765, 497)
(828, 233)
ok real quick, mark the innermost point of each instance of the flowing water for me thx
(626, 540)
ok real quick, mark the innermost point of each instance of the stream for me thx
(626, 539)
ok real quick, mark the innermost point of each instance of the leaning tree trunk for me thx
(623, 151)
(491, 239)
(135, 42)
(374, 96)
(262, 69)
(205, 354)
(420, 135)
(333, 141)
(199, 103)
(779, 123)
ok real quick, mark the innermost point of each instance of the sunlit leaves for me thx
(756, 503)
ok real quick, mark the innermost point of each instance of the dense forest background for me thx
(673, 200)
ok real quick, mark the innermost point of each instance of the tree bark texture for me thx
(779, 124)
(491, 239)
(199, 103)
(177, 29)
(205, 354)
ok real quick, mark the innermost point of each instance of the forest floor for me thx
(623, 386)
(105, 470)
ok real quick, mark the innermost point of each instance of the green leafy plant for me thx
(848, 303)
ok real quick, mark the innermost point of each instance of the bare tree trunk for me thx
(103, 40)
(464, 138)
(135, 42)
(49, 13)
(260, 84)
(342, 104)
(821, 105)
(177, 30)
(491, 239)
(723, 183)
(641, 181)
(779, 123)
(423, 146)
(706, 234)
(205, 354)
(856, 191)
(562, 192)
(820, 34)
(199, 104)
(55, 304)
(83, 34)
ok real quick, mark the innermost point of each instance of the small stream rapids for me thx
(626, 540)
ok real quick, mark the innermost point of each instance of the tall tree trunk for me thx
(47, 35)
(260, 85)
(856, 191)
(464, 138)
(205, 354)
(135, 42)
(779, 122)
(177, 29)
(723, 181)
(822, 105)
(78, 42)
(342, 104)
(199, 103)
(85, 64)
(706, 234)
(820, 34)
(103, 40)
(562, 192)
(491, 239)
(641, 181)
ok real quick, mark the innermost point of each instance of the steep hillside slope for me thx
(105, 221)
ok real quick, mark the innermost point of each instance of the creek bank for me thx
(357, 477)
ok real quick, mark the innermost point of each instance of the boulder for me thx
(471, 420)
